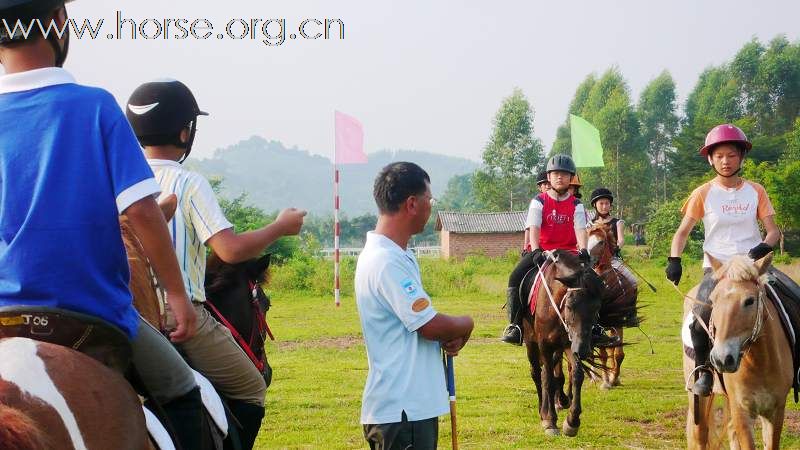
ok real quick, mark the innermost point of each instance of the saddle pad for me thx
(157, 431)
(534, 294)
(686, 335)
(212, 402)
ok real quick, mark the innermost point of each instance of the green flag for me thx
(586, 148)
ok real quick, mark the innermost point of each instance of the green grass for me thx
(320, 367)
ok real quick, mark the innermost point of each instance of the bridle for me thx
(758, 324)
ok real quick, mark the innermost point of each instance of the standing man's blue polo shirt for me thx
(69, 165)
(405, 369)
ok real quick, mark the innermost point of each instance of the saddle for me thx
(89, 335)
(785, 295)
(619, 308)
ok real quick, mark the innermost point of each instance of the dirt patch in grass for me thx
(791, 422)
(662, 428)
(337, 343)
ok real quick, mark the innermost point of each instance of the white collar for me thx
(34, 79)
(386, 243)
(163, 162)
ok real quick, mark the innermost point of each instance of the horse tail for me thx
(18, 431)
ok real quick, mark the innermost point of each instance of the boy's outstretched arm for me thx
(150, 227)
(235, 248)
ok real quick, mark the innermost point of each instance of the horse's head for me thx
(737, 313)
(236, 281)
(581, 300)
(601, 242)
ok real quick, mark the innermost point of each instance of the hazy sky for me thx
(426, 75)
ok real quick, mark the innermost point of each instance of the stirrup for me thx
(508, 332)
(690, 382)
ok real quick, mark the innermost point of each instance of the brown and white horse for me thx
(53, 397)
(751, 355)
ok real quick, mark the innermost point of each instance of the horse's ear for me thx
(570, 281)
(262, 263)
(168, 206)
(763, 264)
(715, 263)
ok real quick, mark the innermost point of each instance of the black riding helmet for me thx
(599, 193)
(159, 110)
(25, 11)
(561, 162)
(541, 178)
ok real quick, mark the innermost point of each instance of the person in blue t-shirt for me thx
(69, 165)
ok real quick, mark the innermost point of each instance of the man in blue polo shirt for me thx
(405, 391)
(69, 165)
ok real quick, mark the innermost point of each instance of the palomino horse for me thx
(751, 355)
(619, 297)
(53, 397)
(565, 306)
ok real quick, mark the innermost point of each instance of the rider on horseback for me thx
(164, 117)
(556, 220)
(601, 201)
(69, 165)
(730, 208)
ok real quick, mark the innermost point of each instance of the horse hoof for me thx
(606, 385)
(568, 430)
(552, 432)
(559, 407)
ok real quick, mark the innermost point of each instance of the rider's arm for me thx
(620, 233)
(773, 233)
(235, 248)
(681, 236)
(150, 227)
(534, 223)
(582, 236)
(580, 221)
(527, 238)
(534, 237)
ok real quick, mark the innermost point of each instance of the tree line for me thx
(651, 144)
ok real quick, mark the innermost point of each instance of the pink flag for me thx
(349, 140)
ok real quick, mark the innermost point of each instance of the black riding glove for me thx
(524, 253)
(537, 256)
(674, 269)
(583, 257)
(759, 251)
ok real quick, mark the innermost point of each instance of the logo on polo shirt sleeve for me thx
(409, 287)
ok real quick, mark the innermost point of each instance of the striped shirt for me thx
(197, 218)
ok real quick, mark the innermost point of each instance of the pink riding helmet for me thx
(725, 133)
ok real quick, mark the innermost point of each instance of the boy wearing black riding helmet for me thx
(164, 118)
(602, 199)
(556, 220)
(69, 165)
(730, 208)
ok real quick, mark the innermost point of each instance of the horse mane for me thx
(18, 431)
(221, 275)
(739, 268)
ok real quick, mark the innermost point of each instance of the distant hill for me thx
(276, 177)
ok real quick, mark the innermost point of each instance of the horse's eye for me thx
(749, 301)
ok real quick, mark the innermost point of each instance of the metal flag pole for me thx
(336, 291)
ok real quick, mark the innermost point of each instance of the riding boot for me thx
(249, 417)
(185, 414)
(513, 332)
(601, 339)
(702, 349)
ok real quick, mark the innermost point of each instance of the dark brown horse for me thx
(564, 306)
(235, 297)
(619, 300)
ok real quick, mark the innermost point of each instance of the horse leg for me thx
(697, 436)
(561, 399)
(771, 427)
(536, 369)
(619, 356)
(573, 420)
(547, 411)
(742, 428)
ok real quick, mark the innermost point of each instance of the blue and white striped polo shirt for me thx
(197, 218)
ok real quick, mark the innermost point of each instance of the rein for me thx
(262, 326)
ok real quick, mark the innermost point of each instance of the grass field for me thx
(320, 366)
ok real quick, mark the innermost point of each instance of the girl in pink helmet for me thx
(730, 208)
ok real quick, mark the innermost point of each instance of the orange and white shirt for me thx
(730, 217)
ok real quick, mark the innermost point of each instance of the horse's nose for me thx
(729, 361)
